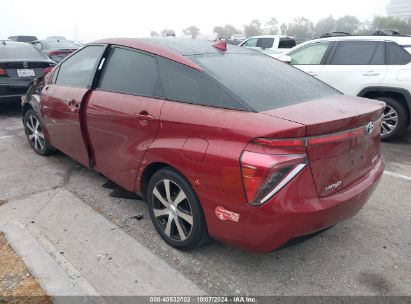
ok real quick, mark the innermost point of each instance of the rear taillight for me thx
(266, 174)
(267, 165)
(3, 72)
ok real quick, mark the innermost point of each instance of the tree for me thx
(271, 27)
(325, 25)
(348, 24)
(301, 29)
(154, 34)
(284, 29)
(192, 31)
(168, 32)
(253, 29)
(225, 32)
(389, 23)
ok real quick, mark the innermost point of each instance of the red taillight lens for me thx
(3, 72)
(264, 174)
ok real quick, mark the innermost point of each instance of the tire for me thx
(177, 217)
(394, 119)
(35, 135)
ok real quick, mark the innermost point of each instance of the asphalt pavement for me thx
(369, 254)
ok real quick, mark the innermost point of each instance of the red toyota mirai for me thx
(220, 140)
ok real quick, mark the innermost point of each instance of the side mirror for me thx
(286, 59)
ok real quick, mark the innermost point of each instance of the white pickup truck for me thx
(272, 45)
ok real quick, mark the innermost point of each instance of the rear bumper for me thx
(12, 91)
(296, 210)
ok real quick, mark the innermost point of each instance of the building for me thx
(400, 9)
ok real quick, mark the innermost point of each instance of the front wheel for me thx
(175, 210)
(35, 134)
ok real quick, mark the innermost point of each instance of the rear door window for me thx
(185, 84)
(358, 53)
(132, 72)
(265, 43)
(311, 54)
(397, 55)
(78, 70)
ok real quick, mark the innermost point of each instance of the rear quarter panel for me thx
(205, 143)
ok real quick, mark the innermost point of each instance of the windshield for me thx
(20, 51)
(60, 44)
(262, 82)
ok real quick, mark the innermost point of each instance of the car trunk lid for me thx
(343, 138)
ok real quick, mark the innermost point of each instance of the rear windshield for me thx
(61, 44)
(263, 82)
(19, 51)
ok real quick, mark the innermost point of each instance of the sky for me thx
(88, 20)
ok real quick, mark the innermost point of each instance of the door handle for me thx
(143, 115)
(312, 73)
(371, 73)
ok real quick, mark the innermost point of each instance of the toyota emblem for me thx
(369, 128)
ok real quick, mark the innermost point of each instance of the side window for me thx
(286, 43)
(396, 55)
(265, 43)
(37, 45)
(78, 70)
(311, 54)
(358, 53)
(252, 42)
(185, 84)
(131, 72)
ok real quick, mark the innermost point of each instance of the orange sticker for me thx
(224, 214)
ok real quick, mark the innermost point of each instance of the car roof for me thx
(174, 48)
(271, 36)
(401, 40)
(5, 42)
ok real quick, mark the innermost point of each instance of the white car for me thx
(376, 67)
(269, 44)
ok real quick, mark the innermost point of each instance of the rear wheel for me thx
(175, 210)
(35, 134)
(394, 118)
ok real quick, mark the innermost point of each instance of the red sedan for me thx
(220, 141)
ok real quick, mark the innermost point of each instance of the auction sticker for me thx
(224, 214)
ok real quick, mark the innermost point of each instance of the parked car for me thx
(57, 50)
(251, 154)
(54, 38)
(22, 38)
(20, 63)
(269, 44)
(376, 67)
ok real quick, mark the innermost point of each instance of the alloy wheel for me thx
(35, 133)
(389, 120)
(172, 210)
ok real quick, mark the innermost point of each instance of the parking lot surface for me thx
(369, 254)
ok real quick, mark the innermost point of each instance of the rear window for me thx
(61, 44)
(263, 82)
(16, 51)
